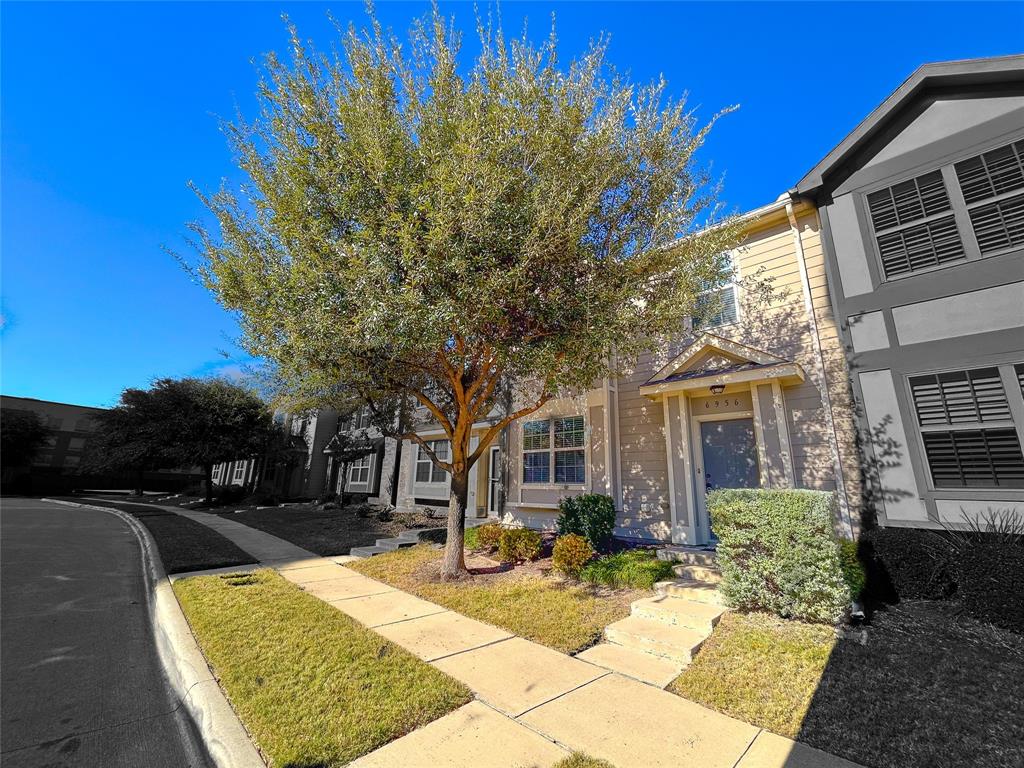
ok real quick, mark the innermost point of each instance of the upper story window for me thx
(555, 448)
(426, 470)
(719, 305)
(914, 225)
(993, 187)
(215, 475)
(239, 470)
(359, 472)
(970, 440)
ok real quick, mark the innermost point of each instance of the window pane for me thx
(570, 467)
(569, 432)
(536, 435)
(441, 449)
(960, 397)
(975, 458)
(536, 467)
(716, 308)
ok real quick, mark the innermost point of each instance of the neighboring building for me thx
(306, 466)
(923, 213)
(56, 467)
(759, 398)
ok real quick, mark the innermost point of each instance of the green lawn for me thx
(312, 686)
(184, 544)
(927, 688)
(565, 617)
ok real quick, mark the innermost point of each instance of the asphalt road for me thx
(80, 680)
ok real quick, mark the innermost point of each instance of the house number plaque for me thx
(722, 403)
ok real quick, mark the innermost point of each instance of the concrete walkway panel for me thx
(442, 634)
(516, 675)
(327, 572)
(633, 725)
(346, 587)
(387, 608)
(772, 751)
(473, 736)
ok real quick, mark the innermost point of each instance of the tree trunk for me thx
(453, 566)
(208, 472)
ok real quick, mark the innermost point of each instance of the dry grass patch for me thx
(562, 616)
(580, 760)
(313, 686)
(925, 688)
(759, 668)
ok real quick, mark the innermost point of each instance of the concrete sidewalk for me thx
(534, 704)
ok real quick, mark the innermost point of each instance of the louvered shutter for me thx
(990, 183)
(914, 225)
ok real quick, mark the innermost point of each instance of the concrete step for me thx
(677, 644)
(392, 544)
(700, 617)
(366, 551)
(630, 662)
(687, 572)
(698, 591)
(688, 555)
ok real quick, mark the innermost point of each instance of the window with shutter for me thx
(967, 429)
(914, 225)
(993, 188)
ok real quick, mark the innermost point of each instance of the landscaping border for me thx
(185, 667)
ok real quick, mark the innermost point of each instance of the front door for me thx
(729, 453)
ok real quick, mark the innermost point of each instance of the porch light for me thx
(717, 389)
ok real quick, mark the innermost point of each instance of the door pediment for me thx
(709, 354)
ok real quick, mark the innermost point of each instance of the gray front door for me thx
(730, 454)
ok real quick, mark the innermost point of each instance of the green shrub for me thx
(471, 539)
(778, 553)
(518, 544)
(488, 535)
(571, 553)
(590, 515)
(853, 570)
(915, 563)
(987, 553)
(229, 494)
(637, 568)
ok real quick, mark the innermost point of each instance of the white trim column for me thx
(762, 449)
(782, 423)
(679, 468)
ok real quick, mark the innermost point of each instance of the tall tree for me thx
(22, 436)
(183, 423)
(413, 229)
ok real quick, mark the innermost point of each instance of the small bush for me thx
(471, 538)
(229, 494)
(853, 570)
(488, 535)
(571, 553)
(362, 510)
(988, 560)
(636, 568)
(777, 552)
(518, 544)
(590, 515)
(914, 562)
(385, 514)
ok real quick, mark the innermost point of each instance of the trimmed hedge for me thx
(778, 553)
(571, 552)
(518, 544)
(590, 515)
(916, 563)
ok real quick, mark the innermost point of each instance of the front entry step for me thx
(698, 591)
(630, 662)
(688, 555)
(666, 641)
(679, 612)
(686, 572)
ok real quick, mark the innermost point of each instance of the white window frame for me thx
(215, 475)
(359, 470)
(435, 475)
(550, 449)
(239, 473)
(734, 284)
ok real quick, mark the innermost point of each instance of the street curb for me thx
(223, 734)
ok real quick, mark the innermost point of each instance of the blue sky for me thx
(108, 110)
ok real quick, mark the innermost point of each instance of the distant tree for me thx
(22, 436)
(182, 423)
(415, 230)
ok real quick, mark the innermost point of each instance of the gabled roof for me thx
(949, 76)
(741, 354)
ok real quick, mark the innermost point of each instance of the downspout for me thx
(819, 360)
